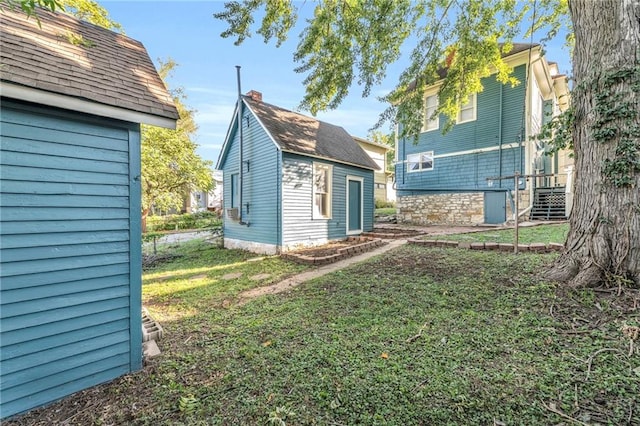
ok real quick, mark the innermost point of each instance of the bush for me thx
(382, 204)
(201, 220)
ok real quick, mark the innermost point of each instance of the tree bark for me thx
(603, 244)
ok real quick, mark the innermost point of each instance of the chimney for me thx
(255, 95)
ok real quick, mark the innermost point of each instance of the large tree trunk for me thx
(603, 245)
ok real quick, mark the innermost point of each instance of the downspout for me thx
(500, 139)
(240, 221)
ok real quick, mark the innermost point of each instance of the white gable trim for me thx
(42, 97)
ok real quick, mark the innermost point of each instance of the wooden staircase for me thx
(549, 204)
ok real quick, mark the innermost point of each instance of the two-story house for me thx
(444, 178)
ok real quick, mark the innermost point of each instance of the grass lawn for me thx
(385, 211)
(526, 235)
(419, 336)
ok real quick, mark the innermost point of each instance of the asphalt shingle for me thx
(112, 69)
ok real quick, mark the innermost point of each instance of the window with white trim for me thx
(420, 162)
(431, 105)
(468, 110)
(322, 190)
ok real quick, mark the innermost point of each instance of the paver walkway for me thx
(296, 280)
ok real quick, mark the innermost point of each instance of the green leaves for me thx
(171, 168)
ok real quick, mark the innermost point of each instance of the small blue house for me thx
(291, 180)
(70, 249)
(443, 179)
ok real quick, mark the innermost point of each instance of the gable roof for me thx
(300, 134)
(111, 76)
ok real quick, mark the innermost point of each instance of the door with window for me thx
(354, 205)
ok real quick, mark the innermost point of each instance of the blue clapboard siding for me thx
(260, 184)
(491, 129)
(299, 227)
(69, 253)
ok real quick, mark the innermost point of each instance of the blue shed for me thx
(73, 98)
(291, 180)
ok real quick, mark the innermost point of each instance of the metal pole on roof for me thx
(239, 146)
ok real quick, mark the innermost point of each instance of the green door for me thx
(354, 206)
(495, 207)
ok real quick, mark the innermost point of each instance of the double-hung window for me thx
(420, 162)
(468, 110)
(322, 191)
(431, 105)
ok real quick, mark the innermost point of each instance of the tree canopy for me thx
(353, 42)
(171, 168)
(87, 10)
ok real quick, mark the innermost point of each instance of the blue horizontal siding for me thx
(69, 254)
(95, 373)
(31, 174)
(299, 226)
(86, 272)
(260, 183)
(19, 214)
(56, 226)
(60, 289)
(62, 339)
(466, 172)
(36, 337)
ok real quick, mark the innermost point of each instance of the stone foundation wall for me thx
(441, 209)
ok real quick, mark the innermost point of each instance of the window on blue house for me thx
(431, 105)
(420, 162)
(235, 190)
(322, 191)
(468, 110)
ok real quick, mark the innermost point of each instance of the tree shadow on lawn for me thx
(417, 336)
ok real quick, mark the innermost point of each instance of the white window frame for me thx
(470, 105)
(419, 160)
(317, 214)
(431, 124)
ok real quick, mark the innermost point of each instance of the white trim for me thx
(333, 160)
(42, 97)
(420, 154)
(477, 151)
(427, 118)
(473, 99)
(252, 246)
(226, 138)
(472, 151)
(316, 215)
(361, 180)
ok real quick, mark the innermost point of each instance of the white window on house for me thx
(468, 110)
(431, 105)
(235, 190)
(322, 191)
(420, 162)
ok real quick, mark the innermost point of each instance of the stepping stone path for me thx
(232, 276)
(255, 259)
(198, 277)
(260, 277)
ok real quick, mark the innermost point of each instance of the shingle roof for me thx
(300, 134)
(114, 70)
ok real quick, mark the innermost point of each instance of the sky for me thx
(187, 32)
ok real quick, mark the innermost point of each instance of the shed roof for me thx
(304, 135)
(105, 73)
